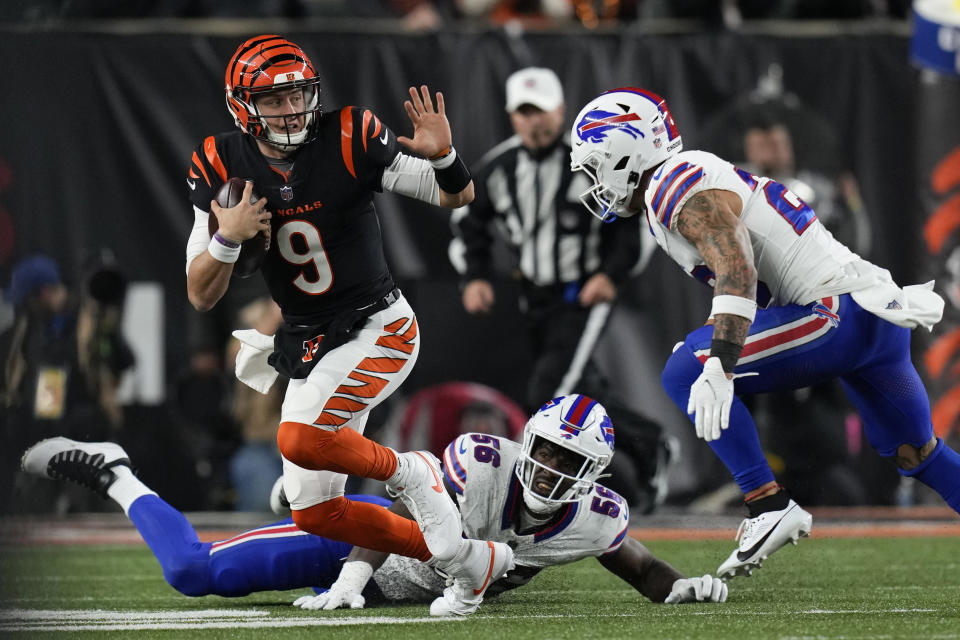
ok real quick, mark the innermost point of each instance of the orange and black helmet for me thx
(270, 63)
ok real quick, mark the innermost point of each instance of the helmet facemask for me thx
(258, 124)
(554, 485)
(608, 196)
(574, 433)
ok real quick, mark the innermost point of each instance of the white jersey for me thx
(797, 260)
(480, 469)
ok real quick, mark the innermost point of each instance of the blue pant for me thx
(275, 557)
(795, 346)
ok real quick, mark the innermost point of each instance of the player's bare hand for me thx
(431, 129)
(478, 296)
(599, 288)
(244, 220)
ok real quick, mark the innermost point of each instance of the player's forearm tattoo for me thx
(725, 246)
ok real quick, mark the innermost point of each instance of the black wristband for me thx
(728, 352)
(455, 178)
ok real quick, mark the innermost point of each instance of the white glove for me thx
(328, 601)
(252, 367)
(345, 592)
(710, 398)
(705, 589)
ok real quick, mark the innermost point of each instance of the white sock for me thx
(127, 487)
(395, 479)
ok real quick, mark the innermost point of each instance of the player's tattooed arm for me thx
(710, 221)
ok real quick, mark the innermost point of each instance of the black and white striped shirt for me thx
(532, 199)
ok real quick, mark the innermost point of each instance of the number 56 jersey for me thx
(480, 469)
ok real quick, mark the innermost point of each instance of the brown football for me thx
(252, 251)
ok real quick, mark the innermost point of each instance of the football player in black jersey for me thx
(349, 337)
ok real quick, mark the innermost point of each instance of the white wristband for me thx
(445, 161)
(354, 575)
(222, 252)
(735, 306)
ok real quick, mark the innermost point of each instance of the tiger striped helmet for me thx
(265, 64)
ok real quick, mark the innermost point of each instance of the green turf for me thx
(856, 589)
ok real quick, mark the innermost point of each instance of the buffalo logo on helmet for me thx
(595, 125)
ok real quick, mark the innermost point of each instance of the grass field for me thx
(871, 588)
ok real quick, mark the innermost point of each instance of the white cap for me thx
(534, 85)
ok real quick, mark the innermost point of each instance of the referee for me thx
(569, 263)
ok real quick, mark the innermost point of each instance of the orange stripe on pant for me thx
(358, 523)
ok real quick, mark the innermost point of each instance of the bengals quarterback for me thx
(349, 337)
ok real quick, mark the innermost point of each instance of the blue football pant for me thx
(275, 557)
(795, 346)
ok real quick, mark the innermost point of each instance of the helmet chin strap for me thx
(537, 505)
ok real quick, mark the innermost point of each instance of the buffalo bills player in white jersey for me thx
(792, 307)
(538, 497)
(541, 498)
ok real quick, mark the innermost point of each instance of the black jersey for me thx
(326, 253)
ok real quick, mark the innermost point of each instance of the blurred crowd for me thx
(432, 14)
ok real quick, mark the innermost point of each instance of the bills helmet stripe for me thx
(672, 131)
(579, 411)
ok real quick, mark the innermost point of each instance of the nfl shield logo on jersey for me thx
(286, 192)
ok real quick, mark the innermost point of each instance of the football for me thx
(252, 251)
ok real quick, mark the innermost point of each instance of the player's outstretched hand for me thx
(332, 599)
(431, 129)
(345, 592)
(703, 589)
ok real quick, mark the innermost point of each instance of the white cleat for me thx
(86, 463)
(422, 491)
(484, 562)
(762, 535)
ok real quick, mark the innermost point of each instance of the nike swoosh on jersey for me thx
(461, 449)
(383, 138)
(743, 555)
(437, 482)
(191, 184)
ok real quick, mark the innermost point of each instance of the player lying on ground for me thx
(540, 498)
(523, 508)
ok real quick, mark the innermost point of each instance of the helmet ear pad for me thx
(240, 113)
